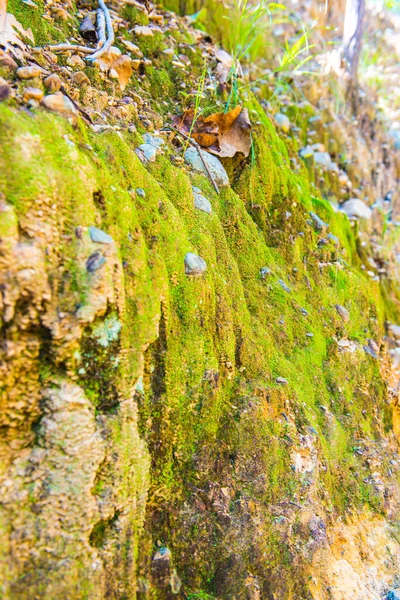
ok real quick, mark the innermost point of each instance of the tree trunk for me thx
(352, 43)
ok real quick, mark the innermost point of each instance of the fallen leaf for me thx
(226, 66)
(123, 66)
(9, 30)
(105, 61)
(222, 134)
(117, 65)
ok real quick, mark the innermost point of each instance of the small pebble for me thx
(343, 312)
(29, 72)
(318, 222)
(284, 286)
(370, 351)
(264, 272)
(97, 235)
(80, 78)
(76, 61)
(31, 93)
(201, 202)
(7, 61)
(95, 261)
(60, 104)
(53, 82)
(140, 192)
(281, 381)
(5, 90)
(194, 264)
(146, 153)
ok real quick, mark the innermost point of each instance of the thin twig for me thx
(83, 112)
(65, 48)
(198, 148)
(100, 28)
(110, 34)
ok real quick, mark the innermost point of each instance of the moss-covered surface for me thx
(200, 357)
(210, 410)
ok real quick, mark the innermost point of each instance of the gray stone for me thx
(333, 238)
(216, 169)
(310, 335)
(284, 286)
(304, 312)
(318, 222)
(373, 345)
(264, 272)
(283, 122)
(97, 235)
(356, 208)
(194, 265)
(343, 312)
(370, 351)
(201, 202)
(140, 192)
(322, 158)
(153, 140)
(146, 153)
(60, 104)
(306, 152)
(281, 381)
(94, 262)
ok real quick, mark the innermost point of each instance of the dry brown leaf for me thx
(9, 29)
(224, 121)
(222, 134)
(105, 62)
(123, 66)
(227, 65)
(224, 66)
(236, 138)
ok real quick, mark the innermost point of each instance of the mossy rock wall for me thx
(140, 405)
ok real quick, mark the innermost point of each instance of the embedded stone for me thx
(215, 167)
(370, 351)
(356, 208)
(343, 312)
(283, 122)
(76, 61)
(80, 78)
(333, 238)
(146, 153)
(194, 265)
(95, 261)
(29, 72)
(7, 61)
(5, 90)
(318, 222)
(306, 152)
(60, 104)
(153, 140)
(322, 158)
(264, 272)
(284, 286)
(31, 93)
(97, 235)
(281, 381)
(53, 82)
(201, 202)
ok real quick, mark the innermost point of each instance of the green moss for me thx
(210, 349)
(32, 18)
(134, 15)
